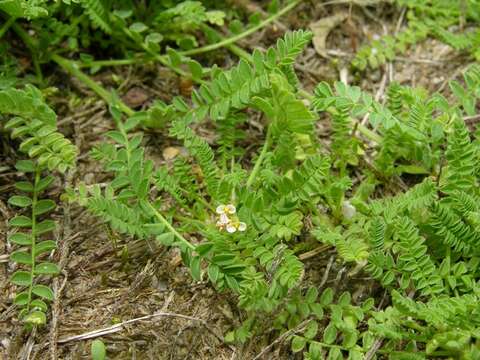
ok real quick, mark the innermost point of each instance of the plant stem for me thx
(263, 153)
(32, 46)
(244, 34)
(6, 26)
(113, 62)
(70, 66)
(170, 227)
(145, 202)
(33, 235)
(163, 59)
(237, 50)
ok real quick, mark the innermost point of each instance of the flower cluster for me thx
(227, 220)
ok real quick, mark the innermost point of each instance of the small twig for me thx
(400, 20)
(281, 338)
(92, 109)
(338, 278)
(28, 347)
(327, 272)
(121, 326)
(313, 252)
(458, 72)
(373, 349)
(420, 60)
(471, 118)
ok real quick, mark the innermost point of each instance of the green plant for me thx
(34, 123)
(30, 249)
(427, 19)
(242, 217)
(420, 242)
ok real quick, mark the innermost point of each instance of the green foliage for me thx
(97, 13)
(184, 18)
(26, 103)
(241, 216)
(446, 325)
(26, 232)
(419, 244)
(461, 157)
(123, 26)
(24, 9)
(427, 19)
(34, 123)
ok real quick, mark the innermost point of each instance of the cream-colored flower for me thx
(227, 220)
(236, 225)
(348, 210)
(223, 221)
(226, 209)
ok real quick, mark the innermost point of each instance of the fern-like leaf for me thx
(462, 160)
(97, 13)
(414, 260)
(28, 104)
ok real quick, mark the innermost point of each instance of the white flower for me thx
(222, 221)
(348, 210)
(227, 220)
(236, 225)
(226, 209)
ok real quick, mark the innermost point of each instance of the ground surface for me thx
(109, 279)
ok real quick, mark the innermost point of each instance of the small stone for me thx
(170, 152)
(135, 97)
(89, 178)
